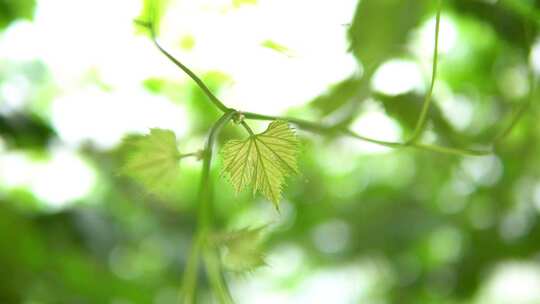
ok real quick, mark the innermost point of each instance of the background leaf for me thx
(152, 159)
(12, 10)
(241, 249)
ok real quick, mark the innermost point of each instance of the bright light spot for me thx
(512, 282)
(121, 265)
(285, 261)
(514, 225)
(518, 221)
(445, 244)
(484, 170)
(332, 236)
(263, 213)
(13, 94)
(357, 282)
(344, 285)
(536, 197)
(514, 82)
(15, 40)
(375, 124)
(334, 157)
(461, 184)
(104, 118)
(61, 180)
(122, 57)
(450, 201)
(16, 169)
(448, 37)
(535, 57)
(397, 77)
(458, 110)
(75, 43)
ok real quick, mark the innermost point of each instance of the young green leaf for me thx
(263, 161)
(242, 250)
(152, 160)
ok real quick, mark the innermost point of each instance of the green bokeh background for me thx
(430, 228)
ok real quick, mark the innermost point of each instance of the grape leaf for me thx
(152, 159)
(242, 250)
(262, 161)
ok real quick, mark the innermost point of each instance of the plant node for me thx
(238, 117)
(200, 154)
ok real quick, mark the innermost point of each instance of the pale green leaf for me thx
(263, 161)
(152, 160)
(241, 249)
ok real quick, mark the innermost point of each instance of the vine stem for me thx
(204, 218)
(189, 282)
(522, 109)
(192, 154)
(215, 277)
(420, 124)
(151, 27)
(248, 129)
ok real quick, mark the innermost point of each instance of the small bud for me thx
(200, 154)
(238, 118)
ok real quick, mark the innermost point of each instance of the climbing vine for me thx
(260, 162)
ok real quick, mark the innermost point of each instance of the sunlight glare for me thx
(535, 57)
(105, 118)
(396, 77)
(375, 124)
(264, 80)
(62, 179)
(512, 282)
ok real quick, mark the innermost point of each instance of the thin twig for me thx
(522, 108)
(150, 26)
(419, 128)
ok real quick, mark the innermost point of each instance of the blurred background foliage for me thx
(361, 224)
